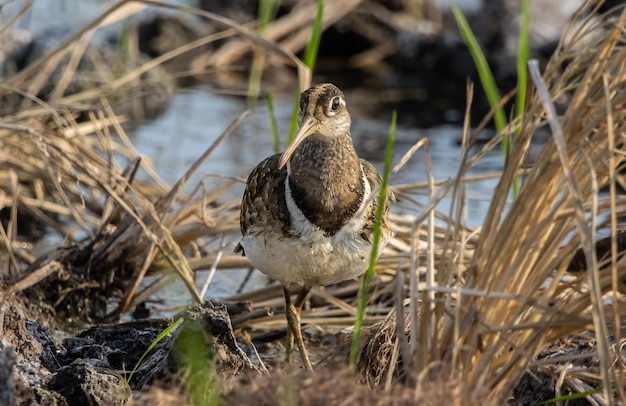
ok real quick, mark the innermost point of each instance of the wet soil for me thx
(43, 364)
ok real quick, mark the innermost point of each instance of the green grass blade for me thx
(273, 125)
(484, 72)
(266, 14)
(162, 335)
(522, 75)
(522, 59)
(123, 39)
(572, 396)
(364, 289)
(310, 55)
(195, 360)
(294, 117)
(310, 52)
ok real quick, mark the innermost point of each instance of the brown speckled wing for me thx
(375, 181)
(263, 204)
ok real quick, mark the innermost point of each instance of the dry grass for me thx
(78, 177)
(516, 297)
(477, 306)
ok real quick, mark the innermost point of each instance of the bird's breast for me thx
(310, 258)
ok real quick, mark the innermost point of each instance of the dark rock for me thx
(28, 354)
(88, 383)
(31, 340)
(117, 347)
(7, 384)
(211, 320)
(42, 335)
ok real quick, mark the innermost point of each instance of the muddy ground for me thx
(41, 364)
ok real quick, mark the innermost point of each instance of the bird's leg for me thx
(289, 346)
(299, 303)
(294, 332)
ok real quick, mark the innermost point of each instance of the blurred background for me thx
(178, 78)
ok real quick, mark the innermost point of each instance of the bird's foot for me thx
(290, 341)
(294, 334)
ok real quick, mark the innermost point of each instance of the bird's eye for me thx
(335, 103)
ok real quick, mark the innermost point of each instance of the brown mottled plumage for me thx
(303, 217)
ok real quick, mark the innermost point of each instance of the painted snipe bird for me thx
(307, 218)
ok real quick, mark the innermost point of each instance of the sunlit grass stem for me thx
(310, 52)
(522, 75)
(266, 14)
(486, 76)
(484, 71)
(364, 289)
(194, 356)
(273, 125)
(310, 56)
(161, 336)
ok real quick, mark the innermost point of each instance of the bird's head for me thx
(322, 113)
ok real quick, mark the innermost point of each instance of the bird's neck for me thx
(325, 181)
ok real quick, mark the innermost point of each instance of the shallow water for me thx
(197, 117)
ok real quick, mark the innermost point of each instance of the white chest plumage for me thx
(309, 257)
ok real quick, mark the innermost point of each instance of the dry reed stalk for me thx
(295, 26)
(517, 296)
(119, 10)
(54, 173)
(80, 190)
(286, 55)
(72, 170)
(133, 80)
(514, 300)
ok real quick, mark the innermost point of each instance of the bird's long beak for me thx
(307, 128)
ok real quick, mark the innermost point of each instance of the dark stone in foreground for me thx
(90, 368)
(87, 383)
(7, 385)
(213, 321)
